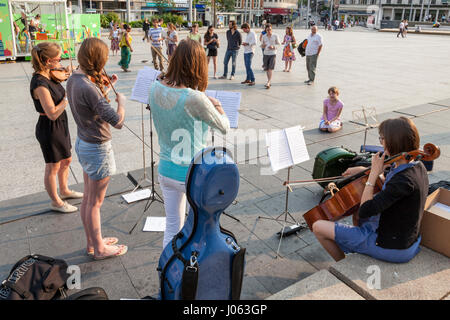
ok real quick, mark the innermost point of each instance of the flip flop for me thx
(122, 249)
(109, 241)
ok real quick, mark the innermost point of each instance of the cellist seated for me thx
(388, 223)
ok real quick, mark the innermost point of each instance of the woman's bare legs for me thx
(324, 231)
(94, 195)
(215, 65)
(63, 176)
(51, 171)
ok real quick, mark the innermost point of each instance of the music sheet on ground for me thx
(286, 148)
(231, 102)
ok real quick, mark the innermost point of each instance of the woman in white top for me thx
(172, 39)
(114, 37)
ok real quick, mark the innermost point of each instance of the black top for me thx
(56, 90)
(234, 40)
(145, 26)
(212, 45)
(401, 206)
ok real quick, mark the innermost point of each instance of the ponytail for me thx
(41, 53)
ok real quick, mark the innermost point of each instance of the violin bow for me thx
(159, 53)
(299, 182)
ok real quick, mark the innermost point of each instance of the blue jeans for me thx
(248, 66)
(230, 54)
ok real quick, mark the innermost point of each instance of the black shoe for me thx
(307, 81)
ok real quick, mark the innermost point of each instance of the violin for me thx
(346, 200)
(60, 74)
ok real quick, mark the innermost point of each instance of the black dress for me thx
(53, 135)
(212, 47)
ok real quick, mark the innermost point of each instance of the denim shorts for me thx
(97, 160)
(363, 239)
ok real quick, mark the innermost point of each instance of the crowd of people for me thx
(386, 226)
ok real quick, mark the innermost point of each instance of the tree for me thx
(225, 5)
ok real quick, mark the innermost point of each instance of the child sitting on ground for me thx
(332, 109)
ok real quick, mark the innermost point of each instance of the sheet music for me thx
(137, 195)
(297, 144)
(155, 224)
(231, 102)
(278, 149)
(144, 80)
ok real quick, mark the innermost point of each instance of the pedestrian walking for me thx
(172, 39)
(145, 28)
(249, 51)
(269, 43)
(405, 29)
(288, 50)
(261, 35)
(157, 38)
(312, 51)
(194, 35)
(234, 39)
(125, 48)
(401, 29)
(211, 42)
(114, 37)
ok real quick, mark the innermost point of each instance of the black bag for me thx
(35, 277)
(94, 293)
(302, 48)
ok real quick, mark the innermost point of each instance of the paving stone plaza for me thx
(398, 77)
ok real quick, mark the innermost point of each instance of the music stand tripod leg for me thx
(154, 196)
(139, 184)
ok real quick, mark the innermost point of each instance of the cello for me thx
(345, 201)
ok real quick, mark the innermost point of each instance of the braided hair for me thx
(92, 57)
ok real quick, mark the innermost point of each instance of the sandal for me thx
(267, 86)
(108, 241)
(121, 250)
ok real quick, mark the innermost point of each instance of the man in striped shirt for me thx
(157, 38)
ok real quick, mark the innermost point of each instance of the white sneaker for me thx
(72, 195)
(232, 78)
(65, 208)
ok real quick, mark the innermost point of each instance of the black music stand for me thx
(154, 196)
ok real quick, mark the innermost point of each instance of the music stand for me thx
(286, 213)
(365, 114)
(154, 196)
(298, 153)
(144, 179)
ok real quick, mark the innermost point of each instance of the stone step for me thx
(322, 285)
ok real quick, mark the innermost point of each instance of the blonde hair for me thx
(92, 57)
(41, 53)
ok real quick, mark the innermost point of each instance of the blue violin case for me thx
(204, 261)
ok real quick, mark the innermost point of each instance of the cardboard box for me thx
(435, 226)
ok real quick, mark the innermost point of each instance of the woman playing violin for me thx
(94, 115)
(388, 223)
(52, 130)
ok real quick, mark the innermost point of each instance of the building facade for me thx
(280, 11)
(373, 11)
(251, 11)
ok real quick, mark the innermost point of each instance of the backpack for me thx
(302, 47)
(35, 277)
(94, 293)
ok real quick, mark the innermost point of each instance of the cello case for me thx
(203, 261)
